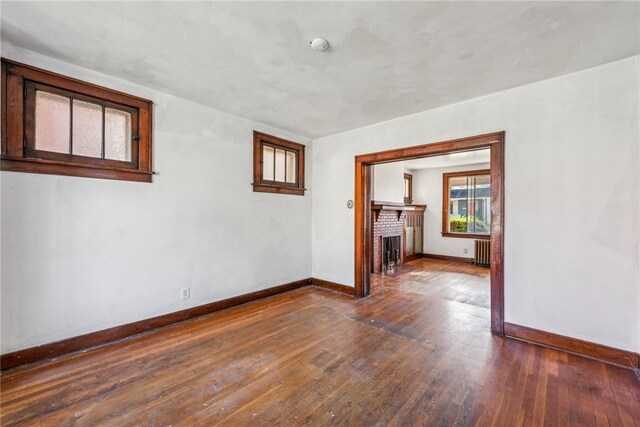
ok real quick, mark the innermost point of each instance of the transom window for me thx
(467, 204)
(278, 165)
(67, 123)
(73, 128)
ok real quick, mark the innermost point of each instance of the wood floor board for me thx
(418, 351)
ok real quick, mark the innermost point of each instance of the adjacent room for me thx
(430, 228)
(318, 213)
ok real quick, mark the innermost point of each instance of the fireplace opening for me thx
(390, 253)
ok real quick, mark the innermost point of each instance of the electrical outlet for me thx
(185, 293)
(465, 250)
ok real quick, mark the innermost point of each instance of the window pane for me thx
(87, 129)
(406, 188)
(267, 163)
(117, 135)
(53, 120)
(482, 207)
(291, 166)
(280, 165)
(458, 199)
(470, 203)
(462, 208)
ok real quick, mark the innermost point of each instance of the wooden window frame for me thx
(264, 186)
(19, 154)
(445, 204)
(408, 200)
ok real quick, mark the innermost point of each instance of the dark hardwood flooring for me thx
(417, 352)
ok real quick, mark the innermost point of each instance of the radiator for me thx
(482, 253)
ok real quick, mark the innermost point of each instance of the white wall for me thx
(80, 255)
(388, 182)
(572, 180)
(427, 190)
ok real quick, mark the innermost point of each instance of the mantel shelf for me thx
(377, 207)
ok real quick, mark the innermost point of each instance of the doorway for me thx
(363, 189)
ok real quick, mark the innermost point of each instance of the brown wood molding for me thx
(268, 188)
(261, 185)
(445, 203)
(117, 333)
(51, 167)
(408, 179)
(616, 356)
(332, 286)
(416, 208)
(377, 204)
(447, 258)
(377, 207)
(363, 185)
(467, 236)
(434, 149)
(20, 153)
(413, 257)
(393, 206)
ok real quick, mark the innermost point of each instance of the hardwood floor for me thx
(417, 352)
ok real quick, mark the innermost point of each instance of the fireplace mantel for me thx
(377, 207)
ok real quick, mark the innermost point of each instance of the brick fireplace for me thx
(388, 220)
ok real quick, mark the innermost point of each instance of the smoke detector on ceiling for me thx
(319, 44)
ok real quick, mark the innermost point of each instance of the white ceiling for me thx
(387, 59)
(448, 160)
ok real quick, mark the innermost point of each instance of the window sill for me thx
(269, 188)
(467, 235)
(53, 167)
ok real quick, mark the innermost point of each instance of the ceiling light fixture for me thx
(319, 44)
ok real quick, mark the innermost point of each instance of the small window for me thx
(57, 125)
(467, 204)
(408, 188)
(278, 165)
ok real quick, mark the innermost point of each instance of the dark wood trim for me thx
(408, 177)
(416, 208)
(445, 203)
(19, 82)
(393, 206)
(398, 208)
(474, 172)
(12, 103)
(363, 228)
(448, 258)
(433, 149)
(117, 333)
(497, 235)
(70, 83)
(377, 207)
(52, 167)
(467, 236)
(409, 258)
(336, 287)
(493, 141)
(3, 107)
(262, 186)
(269, 188)
(615, 356)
